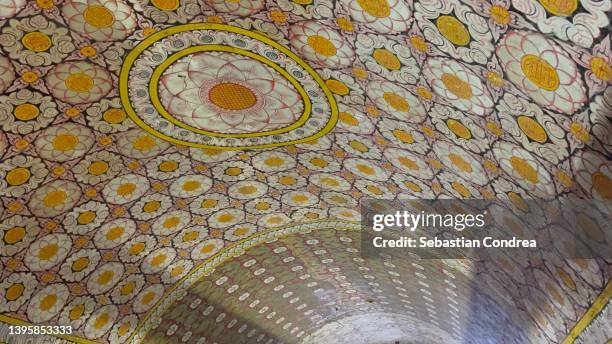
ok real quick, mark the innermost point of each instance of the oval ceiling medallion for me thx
(219, 86)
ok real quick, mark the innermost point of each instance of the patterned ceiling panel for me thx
(124, 128)
(315, 287)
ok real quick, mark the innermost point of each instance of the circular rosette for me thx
(542, 70)
(219, 86)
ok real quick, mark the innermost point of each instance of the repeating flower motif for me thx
(321, 44)
(367, 169)
(147, 298)
(79, 265)
(151, 206)
(361, 146)
(47, 252)
(381, 16)
(461, 162)
(100, 220)
(17, 289)
(353, 120)
(208, 203)
(319, 162)
(190, 186)
(171, 222)
(374, 189)
(299, 198)
(47, 303)
(338, 198)
(458, 85)
(286, 181)
(123, 329)
(168, 166)
(25, 111)
(273, 162)
(98, 167)
(36, 41)
(101, 321)
(20, 175)
(85, 217)
(125, 189)
(18, 232)
(408, 162)
(210, 155)
(542, 70)
(207, 248)
(108, 116)
(225, 218)
(593, 174)
(78, 82)
(247, 190)
(330, 182)
(347, 214)
(240, 7)
(455, 29)
(463, 130)
(137, 248)
(158, 260)
(239, 232)
(64, 142)
(127, 289)
(138, 144)
(456, 186)
(189, 237)
(173, 11)
(77, 311)
(565, 21)
(100, 20)
(396, 101)
(232, 171)
(54, 198)
(387, 58)
(104, 278)
(534, 129)
(412, 187)
(114, 233)
(403, 135)
(273, 220)
(524, 169)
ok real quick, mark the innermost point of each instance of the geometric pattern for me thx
(101, 219)
(219, 86)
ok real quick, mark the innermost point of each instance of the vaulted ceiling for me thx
(191, 170)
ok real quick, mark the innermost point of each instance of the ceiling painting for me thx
(152, 148)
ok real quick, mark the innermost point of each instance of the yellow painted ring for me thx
(142, 46)
(157, 73)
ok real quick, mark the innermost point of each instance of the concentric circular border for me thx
(159, 70)
(150, 40)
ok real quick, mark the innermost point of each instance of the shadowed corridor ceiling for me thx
(190, 171)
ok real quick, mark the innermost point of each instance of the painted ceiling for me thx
(190, 170)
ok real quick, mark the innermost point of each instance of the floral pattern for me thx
(78, 82)
(380, 16)
(104, 224)
(541, 70)
(24, 111)
(264, 100)
(100, 20)
(36, 41)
